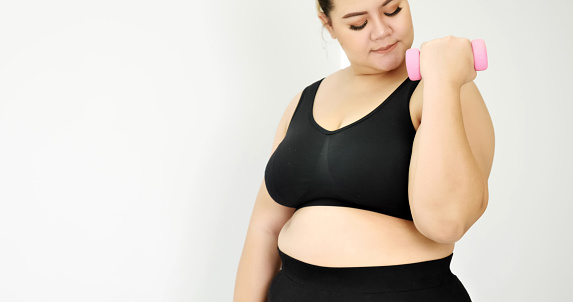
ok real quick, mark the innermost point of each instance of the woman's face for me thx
(365, 25)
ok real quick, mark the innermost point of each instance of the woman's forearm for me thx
(258, 265)
(448, 185)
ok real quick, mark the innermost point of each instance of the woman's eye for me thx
(365, 22)
(395, 12)
(358, 27)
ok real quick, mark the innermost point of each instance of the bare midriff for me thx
(335, 236)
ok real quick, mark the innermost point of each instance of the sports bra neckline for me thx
(329, 132)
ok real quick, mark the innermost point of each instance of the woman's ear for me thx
(326, 22)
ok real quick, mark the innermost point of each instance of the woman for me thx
(360, 202)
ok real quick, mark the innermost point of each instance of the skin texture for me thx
(380, 30)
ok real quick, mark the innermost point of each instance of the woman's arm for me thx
(259, 264)
(451, 160)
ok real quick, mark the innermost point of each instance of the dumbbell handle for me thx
(413, 59)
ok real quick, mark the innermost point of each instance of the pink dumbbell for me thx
(413, 59)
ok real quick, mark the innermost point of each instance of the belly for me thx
(346, 237)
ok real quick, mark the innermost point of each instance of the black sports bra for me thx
(363, 165)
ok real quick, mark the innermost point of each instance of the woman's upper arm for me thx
(268, 214)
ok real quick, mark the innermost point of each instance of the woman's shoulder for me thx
(293, 104)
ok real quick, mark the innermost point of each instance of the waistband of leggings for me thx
(369, 279)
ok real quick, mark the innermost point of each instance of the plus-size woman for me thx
(372, 177)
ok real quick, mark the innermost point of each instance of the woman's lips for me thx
(386, 50)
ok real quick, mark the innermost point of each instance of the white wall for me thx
(134, 136)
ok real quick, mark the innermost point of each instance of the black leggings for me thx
(427, 281)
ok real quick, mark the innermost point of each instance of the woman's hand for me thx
(449, 59)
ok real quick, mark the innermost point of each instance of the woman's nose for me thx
(380, 29)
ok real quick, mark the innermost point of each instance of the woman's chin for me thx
(387, 64)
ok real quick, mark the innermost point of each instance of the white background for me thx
(134, 136)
